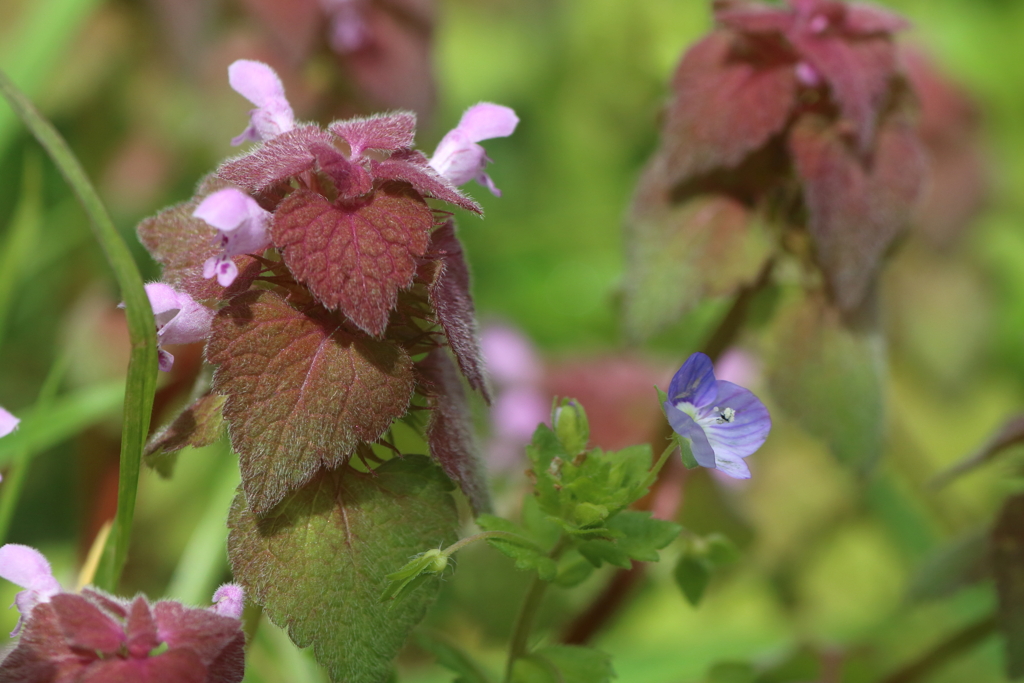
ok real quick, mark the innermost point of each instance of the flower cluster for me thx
(93, 636)
(723, 423)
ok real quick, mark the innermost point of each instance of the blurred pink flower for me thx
(510, 357)
(179, 319)
(348, 31)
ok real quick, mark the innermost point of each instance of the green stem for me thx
(484, 535)
(15, 480)
(142, 366)
(528, 612)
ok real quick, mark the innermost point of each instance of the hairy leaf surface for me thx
(355, 256)
(724, 107)
(277, 159)
(387, 132)
(198, 424)
(450, 297)
(857, 207)
(450, 431)
(317, 562)
(301, 390)
(412, 167)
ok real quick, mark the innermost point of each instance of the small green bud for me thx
(589, 514)
(435, 561)
(571, 425)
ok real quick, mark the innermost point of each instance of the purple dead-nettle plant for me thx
(721, 421)
(96, 637)
(8, 423)
(327, 286)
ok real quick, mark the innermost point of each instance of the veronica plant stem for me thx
(142, 366)
(10, 490)
(527, 613)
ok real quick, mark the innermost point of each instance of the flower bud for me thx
(571, 426)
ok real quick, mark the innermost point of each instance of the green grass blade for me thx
(17, 249)
(142, 367)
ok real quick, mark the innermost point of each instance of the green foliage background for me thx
(822, 565)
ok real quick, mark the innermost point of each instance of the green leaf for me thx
(584, 490)
(643, 536)
(199, 424)
(528, 555)
(802, 665)
(693, 574)
(573, 569)
(564, 664)
(302, 391)
(317, 562)
(963, 562)
(1008, 567)
(570, 425)
(451, 657)
(829, 376)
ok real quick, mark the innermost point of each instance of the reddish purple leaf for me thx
(41, 654)
(197, 425)
(350, 179)
(276, 160)
(858, 71)
(453, 304)
(202, 631)
(450, 432)
(174, 666)
(141, 629)
(413, 167)
(85, 625)
(724, 108)
(354, 256)
(856, 208)
(107, 603)
(867, 19)
(386, 132)
(181, 243)
(302, 391)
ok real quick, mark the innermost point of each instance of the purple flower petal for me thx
(734, 467)
(8, 423)
(740, 424)
(258, 83)
(686, 427)
(165, 360)
(180, 319)
(28, 568)
(229, 600)
(485, 121)
(694, 383)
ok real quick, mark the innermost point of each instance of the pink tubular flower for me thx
(8, 423)
(243, 226)
(459, 158)
(348, 31)
(26, 567)
(179, 319)
(229, 600)
(258, 83)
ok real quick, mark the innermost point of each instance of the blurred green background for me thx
(830, 562)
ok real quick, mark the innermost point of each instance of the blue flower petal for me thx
(685, 426)
(695, 382)
(747, 428)
(734, 467)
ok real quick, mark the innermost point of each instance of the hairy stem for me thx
(142, 366)
(527, 613)
(484, 535)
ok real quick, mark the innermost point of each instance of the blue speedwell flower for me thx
(723, 422)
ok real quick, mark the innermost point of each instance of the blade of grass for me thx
(142, 367)
(15, 480)
(22, 237)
